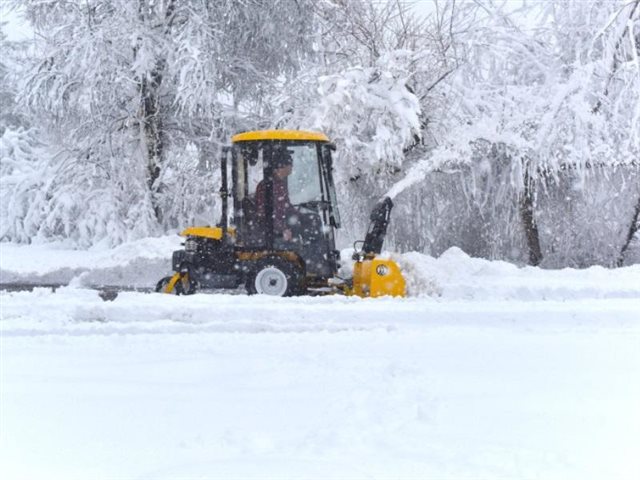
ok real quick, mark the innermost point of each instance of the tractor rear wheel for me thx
(275, 276)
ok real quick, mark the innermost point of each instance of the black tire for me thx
(275, 276)
(162, 284)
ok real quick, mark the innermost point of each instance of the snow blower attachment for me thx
(374, 276)
(280, 236)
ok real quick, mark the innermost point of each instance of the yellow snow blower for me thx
(280, 238)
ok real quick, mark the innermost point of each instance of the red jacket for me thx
(282, 208)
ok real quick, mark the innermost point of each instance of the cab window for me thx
(304, 181)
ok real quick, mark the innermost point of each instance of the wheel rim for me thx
(271, 281)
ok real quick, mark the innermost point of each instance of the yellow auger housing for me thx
(374, 276)
(378, 277)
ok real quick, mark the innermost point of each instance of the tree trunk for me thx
(153, 135)
(633, 229)
(150, 114)
(529, 222)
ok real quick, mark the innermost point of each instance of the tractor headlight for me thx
(382, 270)
(190, 245)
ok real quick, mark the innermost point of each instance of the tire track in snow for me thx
(78, 312)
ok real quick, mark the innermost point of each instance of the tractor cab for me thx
(284, 197)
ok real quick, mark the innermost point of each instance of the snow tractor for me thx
(280, 237)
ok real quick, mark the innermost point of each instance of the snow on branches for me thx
(371, 114)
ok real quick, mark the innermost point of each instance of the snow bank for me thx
(139, 263)
(453, 275)
(456, 275)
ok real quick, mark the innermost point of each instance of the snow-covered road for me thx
(498, 372)
(224, 386)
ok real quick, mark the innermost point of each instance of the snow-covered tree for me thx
(22, 174)
(510, 130)
(125, 89)
(12, 54)
(375, 65)
(563, 96)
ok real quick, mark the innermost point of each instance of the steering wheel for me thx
(312, 205)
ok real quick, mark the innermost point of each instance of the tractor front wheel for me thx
(184, 285)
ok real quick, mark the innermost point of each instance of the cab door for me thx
(247, 173)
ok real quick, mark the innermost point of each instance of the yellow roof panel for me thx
(280, 135)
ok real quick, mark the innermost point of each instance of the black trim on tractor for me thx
(373, 241)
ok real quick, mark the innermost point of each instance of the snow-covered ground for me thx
(486, 371)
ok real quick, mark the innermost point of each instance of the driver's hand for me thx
(287, 235)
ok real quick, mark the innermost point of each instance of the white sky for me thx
(17, 29)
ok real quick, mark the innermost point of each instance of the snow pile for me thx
(139, 263)
(456, 275)
(453, 275)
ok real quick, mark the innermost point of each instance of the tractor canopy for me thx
(284, 195)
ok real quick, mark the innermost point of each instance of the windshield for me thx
(304, 181)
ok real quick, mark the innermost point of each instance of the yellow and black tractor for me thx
(280, 237)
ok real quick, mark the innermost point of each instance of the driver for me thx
(284, 214)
